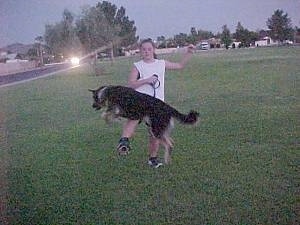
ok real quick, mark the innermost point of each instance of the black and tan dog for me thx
(125, 102)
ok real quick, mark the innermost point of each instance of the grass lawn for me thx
(240, 165)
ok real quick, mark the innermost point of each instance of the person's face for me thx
(147, 51)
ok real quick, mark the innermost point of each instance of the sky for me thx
(22, 21)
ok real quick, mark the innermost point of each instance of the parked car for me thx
(204, 45)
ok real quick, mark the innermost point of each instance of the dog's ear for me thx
(99, 89)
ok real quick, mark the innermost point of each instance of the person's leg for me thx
(128, 131)
(129, 128)
(153, 146)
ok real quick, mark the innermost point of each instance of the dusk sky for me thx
(23, 20)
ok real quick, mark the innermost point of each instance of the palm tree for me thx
(39, 40)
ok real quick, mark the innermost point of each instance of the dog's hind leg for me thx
(161, 128)
(167, 142)
(167, 155)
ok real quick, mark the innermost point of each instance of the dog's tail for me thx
(190, 118)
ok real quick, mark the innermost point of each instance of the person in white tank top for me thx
(148, 76)
(147, 70)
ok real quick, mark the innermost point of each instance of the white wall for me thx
(17, 66)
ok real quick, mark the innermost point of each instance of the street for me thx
(7, 80)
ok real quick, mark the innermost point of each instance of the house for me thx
(236, 44)
(297, 37)
(12, 57)
(209, 44)
(266, 41)
(214, 42)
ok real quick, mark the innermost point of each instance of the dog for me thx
(121, 101)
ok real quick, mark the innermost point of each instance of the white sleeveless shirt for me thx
(147, 70)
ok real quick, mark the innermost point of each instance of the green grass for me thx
(240, 165)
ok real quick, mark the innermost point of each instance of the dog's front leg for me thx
(107, 116)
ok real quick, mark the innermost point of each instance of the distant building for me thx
(266, 41)
(297, 37)
(5, 57)
(236, 44)
(209, 43)
(214, 42)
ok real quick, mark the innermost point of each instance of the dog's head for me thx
(99, 97)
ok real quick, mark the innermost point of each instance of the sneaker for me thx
(154, 162)
(123, 147)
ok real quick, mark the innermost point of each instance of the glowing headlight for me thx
(75, 61)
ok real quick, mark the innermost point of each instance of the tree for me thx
(32, 53)
(245, 36)
(180, 39)
(193, 37)
(39, 49)
(194, 32)
(105, 24)
(280, 26)
(69, 39)
(94, 29)
(226, 37)
(102, 25)
(254, 36)
(204, 34)
(61, 37)
(170, 43)
(297, 35)
(128, 29)
(262, 33)
(242, 35)
(161, 42)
